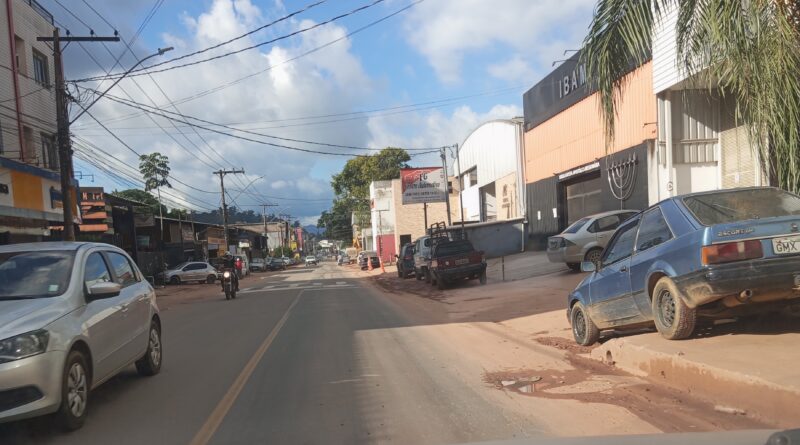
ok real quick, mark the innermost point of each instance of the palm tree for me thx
(748, 49)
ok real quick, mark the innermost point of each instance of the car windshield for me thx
(180, 266)
(738, 205)
(35, 274)
(577, 225)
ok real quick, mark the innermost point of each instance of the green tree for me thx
(749, 49)
(140, 196)
(352, 183)
(154, 168)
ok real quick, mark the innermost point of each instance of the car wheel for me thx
(71, 413)
(405, 274)
(417, 274)
(150, 363)
(673, 318)
(400, 273)
(428, 277)
(593, 255)
(583, 328)
(482, 277)
(440, 283)
(576, 267)
(174, 279)
(210, 279)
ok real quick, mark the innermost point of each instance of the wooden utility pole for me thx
(222, 174)
(68, 199)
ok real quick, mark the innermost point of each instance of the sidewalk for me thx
(521, 266)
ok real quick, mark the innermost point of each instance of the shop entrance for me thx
(584, 197)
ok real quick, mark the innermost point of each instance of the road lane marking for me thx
(214, 420)
(278, 289)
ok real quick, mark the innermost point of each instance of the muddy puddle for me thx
(593, 382)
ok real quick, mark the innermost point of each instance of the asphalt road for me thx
(301, 357)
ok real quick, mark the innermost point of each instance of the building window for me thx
(469, 178)
(28, 150)
(49, 151)
(41, 71)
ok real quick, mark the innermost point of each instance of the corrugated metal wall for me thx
(492, 148)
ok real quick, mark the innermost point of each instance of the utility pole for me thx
(222, 174)
(264, 217)
(460, 189)
(68, 200)
(447, 188)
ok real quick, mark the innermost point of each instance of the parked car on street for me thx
(258, 265)
(585, 239)
(455, 260)
(311, 260)
(343, 259)
(405, 261)
(276, 264)
(196, 271)
(72, 315)
(717, 254)
(369, 257)
(422, 256)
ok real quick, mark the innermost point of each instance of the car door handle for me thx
(601, 236)
(125, 307)
(144, 297)
(623, 269)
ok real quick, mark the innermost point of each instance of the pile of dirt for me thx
(565, 344)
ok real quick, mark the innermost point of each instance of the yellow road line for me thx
(213, 422)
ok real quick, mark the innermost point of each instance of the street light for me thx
(160, 52)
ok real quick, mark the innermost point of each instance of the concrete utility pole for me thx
(264, 218)
(222, 174)
(447, 189)
(460, 189)
(68, 201)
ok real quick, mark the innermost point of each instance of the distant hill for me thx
(311, 228)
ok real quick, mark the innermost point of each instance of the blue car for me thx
(717, 254)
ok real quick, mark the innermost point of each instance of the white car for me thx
(311, 260)
(72, 315)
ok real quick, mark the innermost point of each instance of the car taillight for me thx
(735, 251)
(434, 264)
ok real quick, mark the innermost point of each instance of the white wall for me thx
(493, 149)
(383, 209)
(665, 68)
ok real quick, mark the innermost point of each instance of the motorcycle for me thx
(228, 285)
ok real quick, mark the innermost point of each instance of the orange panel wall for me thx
(27, 191)
(575, 136)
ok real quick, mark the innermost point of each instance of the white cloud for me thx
(446, 31)
(513, 70)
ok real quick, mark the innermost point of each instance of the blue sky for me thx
(437, 49)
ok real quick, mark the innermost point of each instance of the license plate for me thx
(461, 261)
(786, 246)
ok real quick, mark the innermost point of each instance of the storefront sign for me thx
(420, 185)
(577, 171)
(571, 81)
(244, 244)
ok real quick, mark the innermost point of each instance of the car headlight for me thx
(226, 274)
(23, 345)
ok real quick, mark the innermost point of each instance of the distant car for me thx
(311, 260)
(73, 315)
(422, 256)
(197, 271)
(717, 254)
(258, 265)
(276, 264)
(369, 257)
(343, 259)
(405, 261)
(585, 239)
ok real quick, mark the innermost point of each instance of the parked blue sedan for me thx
(715, 254)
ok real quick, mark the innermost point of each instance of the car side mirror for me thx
(103, 290)
(588, 266)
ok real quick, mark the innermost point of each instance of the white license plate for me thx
(786, 246)
(461, 261)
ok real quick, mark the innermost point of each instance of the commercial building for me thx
(490, 171)
(30, 190)
(701, 146)
(569, 169)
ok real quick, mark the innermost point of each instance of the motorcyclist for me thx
(229, 264)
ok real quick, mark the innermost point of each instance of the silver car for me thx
(72, 315)
(192, 271)
(585, 239)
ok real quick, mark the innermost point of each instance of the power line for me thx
(138, 72)
(311, 51)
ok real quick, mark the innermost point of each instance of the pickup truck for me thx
(455, 260)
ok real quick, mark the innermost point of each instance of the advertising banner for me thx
(426, 184)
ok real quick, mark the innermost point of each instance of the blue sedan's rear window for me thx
(738, 205)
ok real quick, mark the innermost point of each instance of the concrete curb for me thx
(729, 390)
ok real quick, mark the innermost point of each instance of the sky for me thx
(421, 78)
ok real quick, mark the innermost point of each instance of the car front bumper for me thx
(766, 279)
(31, 386)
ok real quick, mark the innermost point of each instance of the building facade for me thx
(30, 190)
(570, 170)
(490, 173)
